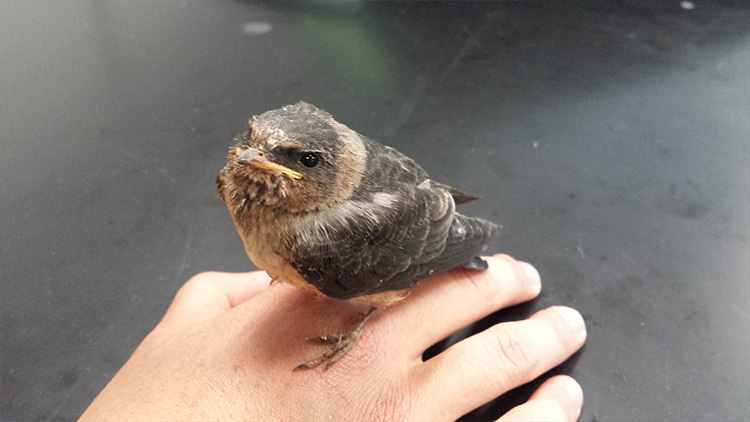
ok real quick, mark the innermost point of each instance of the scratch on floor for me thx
(411, 101)
(579, 248)
(65, 400)
(183, 263)
(461, 53)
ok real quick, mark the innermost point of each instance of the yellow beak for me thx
(267, 165)
(256, 159)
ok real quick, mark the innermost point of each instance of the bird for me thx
(332, 212)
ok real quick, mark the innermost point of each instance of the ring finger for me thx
(497, 360)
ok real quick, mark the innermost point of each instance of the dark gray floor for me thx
(611, 140)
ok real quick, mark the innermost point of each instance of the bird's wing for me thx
(389, 243)
(356, 246)
(398, 227)
(467, 238)
(458, 196)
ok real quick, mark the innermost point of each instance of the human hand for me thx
(227, 345)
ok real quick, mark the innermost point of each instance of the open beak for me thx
(258, 160)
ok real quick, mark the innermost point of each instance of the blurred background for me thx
(610, 139)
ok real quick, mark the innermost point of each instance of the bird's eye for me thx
(309, 159)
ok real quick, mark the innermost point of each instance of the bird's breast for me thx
(264, 234)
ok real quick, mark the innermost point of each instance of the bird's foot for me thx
(342, 344)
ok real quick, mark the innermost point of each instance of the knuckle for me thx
(203, 278)
(515, 357)
(489, 284)
(512, 267)
(505, 258)
(492, 284)
(197, 283)
(481, 284)
(506, 262)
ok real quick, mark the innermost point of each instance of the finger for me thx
(208, 294)
(498, 359)
(443, 305)
(558, 399)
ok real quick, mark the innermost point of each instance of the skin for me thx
(227, 344)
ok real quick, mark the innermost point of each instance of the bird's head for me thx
(294, 159)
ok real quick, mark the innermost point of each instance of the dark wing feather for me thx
(418, 235)
(458, 196)
(468, 238)
(358, 256)
(416, 239)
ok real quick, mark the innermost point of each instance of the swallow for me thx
(332, 212)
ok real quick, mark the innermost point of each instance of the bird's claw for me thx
(328, 339)
(342, 344)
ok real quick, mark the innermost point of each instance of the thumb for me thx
(207, 295)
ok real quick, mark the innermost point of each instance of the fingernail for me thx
(532, 275)
(574, 320)
(575, 393)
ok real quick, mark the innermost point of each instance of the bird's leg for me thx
(342, 344)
